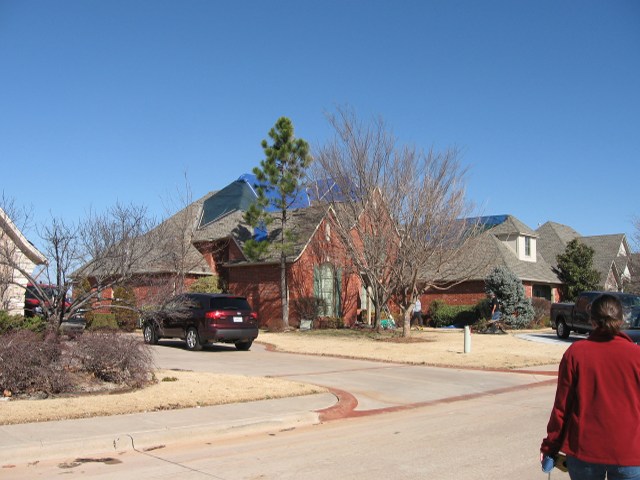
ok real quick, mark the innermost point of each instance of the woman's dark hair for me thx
(606, 314)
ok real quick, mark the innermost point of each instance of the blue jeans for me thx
(579, 470)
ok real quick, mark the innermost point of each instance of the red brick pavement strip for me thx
(347, 403)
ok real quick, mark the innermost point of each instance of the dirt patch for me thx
(405, 340)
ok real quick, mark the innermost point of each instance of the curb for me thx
(29, 443)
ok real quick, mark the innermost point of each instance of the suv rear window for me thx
(230, 303)
(32, 292)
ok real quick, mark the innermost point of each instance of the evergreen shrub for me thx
(443, 315)
(10, 323)
(516, 308)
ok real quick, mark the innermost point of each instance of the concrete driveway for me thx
(370, 386)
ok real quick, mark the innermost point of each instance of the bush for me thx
(443, 315)
(125, 314)
(329, 322)
(516, 308)
(101, 321)
(542, 312)
(208, 284)
(308, 308)
(483, 308)
(116, 358)
(9, 323)
(30, 364)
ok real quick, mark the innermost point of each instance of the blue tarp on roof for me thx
(487, 222)
(235, 196)
(240, 194)
(300, 200)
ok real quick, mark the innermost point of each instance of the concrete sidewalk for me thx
(34, 442)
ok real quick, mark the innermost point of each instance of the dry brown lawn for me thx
(179, 389)
(439, 347)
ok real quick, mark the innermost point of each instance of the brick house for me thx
(208, 237)
(503, 241)
(531, 255)
(316, 266)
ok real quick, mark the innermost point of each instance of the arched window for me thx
(326, 286)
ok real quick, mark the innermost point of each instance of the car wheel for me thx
(244, 346)
(193, 339)
(150, 335)
(562, 330)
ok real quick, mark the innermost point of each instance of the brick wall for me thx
(261, 285)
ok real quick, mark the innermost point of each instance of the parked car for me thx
(200, 318)
(73, 326)
(33, 301)
(568, 317)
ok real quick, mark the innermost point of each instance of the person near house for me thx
(416, 317)
(495, 308)
(596, 411)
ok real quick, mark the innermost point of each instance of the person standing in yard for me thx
(417, 313)
(495, 307)
(596, 413)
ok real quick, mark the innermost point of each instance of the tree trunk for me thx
(283, 292)
(406, 324)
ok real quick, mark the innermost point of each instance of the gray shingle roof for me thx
(302, 222)
(606, 253)
(487, 251)
(554, 238)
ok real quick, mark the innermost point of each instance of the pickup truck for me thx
(568, 317)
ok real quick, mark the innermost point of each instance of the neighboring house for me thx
(16, 254)
(172, 265)
(611, 253)
(503, 241)
(208, 237)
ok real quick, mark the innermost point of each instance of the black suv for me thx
(200, 318)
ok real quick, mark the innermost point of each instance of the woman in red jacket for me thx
(595, 419)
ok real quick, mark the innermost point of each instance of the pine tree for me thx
(575, 269)
(280, 175)
(516, 308)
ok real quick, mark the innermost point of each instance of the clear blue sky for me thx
(106, 101)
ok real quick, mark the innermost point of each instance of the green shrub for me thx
(483, 308)
(208, 284)
(516, 308)
(10, 323)
(102, 321)
(443, 315)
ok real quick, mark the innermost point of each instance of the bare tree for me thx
(103, 249)
(399, 210)
(633, 285)
(179, 255)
